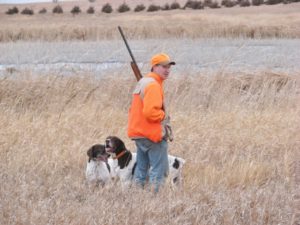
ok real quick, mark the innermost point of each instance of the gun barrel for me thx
(134, 66)
(127, 46)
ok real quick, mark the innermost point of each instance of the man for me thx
(146, 124)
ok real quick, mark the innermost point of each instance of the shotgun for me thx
(134, 66)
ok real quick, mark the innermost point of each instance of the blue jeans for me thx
(153, 158)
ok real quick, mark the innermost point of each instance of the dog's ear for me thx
(120, 144)
(90, 153)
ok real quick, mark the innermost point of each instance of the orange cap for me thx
(161, 59)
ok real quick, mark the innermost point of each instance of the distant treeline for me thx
(107, 8)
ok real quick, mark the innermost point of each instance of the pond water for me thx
(191, 56)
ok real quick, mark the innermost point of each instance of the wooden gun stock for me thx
(136, 71)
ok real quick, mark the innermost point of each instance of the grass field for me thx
(239, 133)
(279, 21)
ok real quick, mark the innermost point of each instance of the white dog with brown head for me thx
(123, 162)
(98, 169)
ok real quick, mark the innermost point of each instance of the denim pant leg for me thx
(141, 170)
(159, 165)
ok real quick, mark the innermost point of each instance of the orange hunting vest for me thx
(146, 113)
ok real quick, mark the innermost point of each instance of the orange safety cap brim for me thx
(161, 59)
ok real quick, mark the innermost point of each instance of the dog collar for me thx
(120, 154)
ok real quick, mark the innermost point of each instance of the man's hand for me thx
(167, 130)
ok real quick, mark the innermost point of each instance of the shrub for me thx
(58, 9)
(175, 5)
(123, 8)
(90, 10)
(152, 8)
(107, 8)
(228, 3)
(273, 2)
(207, 3)
(76, 10)
(166, 7)
(13, 10)
(193, 5)
(214, 5)
(43, 11)
(245, 3)
(257, 2)
(27, 11)
(139, 8)
(211, 4)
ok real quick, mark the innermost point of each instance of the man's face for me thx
(162, 70)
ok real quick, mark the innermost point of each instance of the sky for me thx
(24, 1)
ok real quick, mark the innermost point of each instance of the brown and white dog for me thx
(123, 162)
(98, 169)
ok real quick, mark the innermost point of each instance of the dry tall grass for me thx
(238, 133)
(178, 24)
